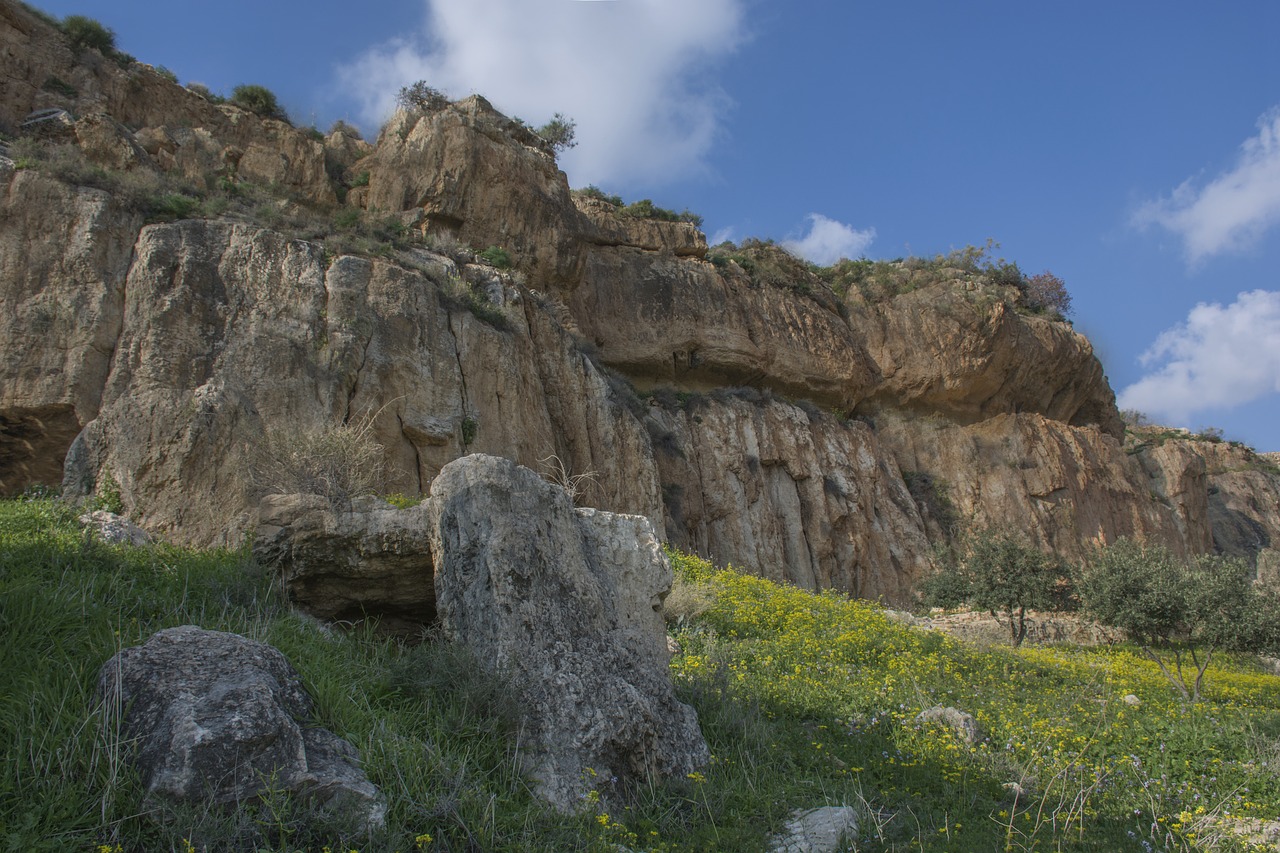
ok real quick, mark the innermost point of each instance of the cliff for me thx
(755, 414)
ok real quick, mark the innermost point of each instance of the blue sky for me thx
(1131, 148)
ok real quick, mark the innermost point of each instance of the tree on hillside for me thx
(559, 132)
(1047, 292)
(421, 98)
(1180, 612)
(1002, 574)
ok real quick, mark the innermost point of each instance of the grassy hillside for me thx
(806, 700)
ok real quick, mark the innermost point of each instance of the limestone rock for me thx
(822, 830)
(963, 351)
(213, 715)
(114, 530)
(960, 722)
(1042, 628)
(348, 563)
(567, 604)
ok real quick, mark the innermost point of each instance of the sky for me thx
(1132, 149)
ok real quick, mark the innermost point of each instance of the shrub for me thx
(1047, 292)
(205, 92)
(646, 209)
(337, 462)
(559, 132)
(421, 98)
(259, 100)
(497, 256)
(1180, 612)
(166, 74)
(84, 32)
(592, 191)
(1000, 573)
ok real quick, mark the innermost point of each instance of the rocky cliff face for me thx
(760, 419)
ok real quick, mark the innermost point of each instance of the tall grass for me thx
(806, 700)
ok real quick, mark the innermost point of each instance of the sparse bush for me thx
(345, 129)
(360, 180)
(421, 98)
(258, 100)
(559, 132)
(339, 462)
(205, 92)
(1047, 292)
(86, 33)
(497, 256)
(166, 73)
(646, 209)
(592, 191)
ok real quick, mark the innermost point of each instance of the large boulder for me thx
(214, 715)
(369, 559)
(566, 603)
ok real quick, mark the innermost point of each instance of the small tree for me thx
(421, 97)
(1047, 292)
(85, 32)
(259, 100)
(1179, 612)
(559, 132)
(1001, 574)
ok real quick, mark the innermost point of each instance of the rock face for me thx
(824, 438)
(566, 603)
(215, 714)
(370, 559)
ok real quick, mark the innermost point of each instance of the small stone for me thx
(960, 722)
(821, 830)
(1131, 700)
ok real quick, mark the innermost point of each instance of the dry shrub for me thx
(687, 600)
(338, 462)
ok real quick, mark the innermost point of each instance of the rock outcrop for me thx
(350, 563)
(566, 604)
(824, 438)
(214, 718)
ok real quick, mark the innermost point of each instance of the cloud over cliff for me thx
(633, 74)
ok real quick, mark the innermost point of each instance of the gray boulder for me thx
(214, 716)
(567, 604)
(822, 830)
(344, 564)
(960, 722)
(114, 529)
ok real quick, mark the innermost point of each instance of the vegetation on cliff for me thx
(805, 699)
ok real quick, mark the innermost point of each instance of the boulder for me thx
(114, 530)
(960, 722)
(345, 564)
(566, 603)
(822, 830)
(212, 716)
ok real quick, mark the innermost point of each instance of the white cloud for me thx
(1234, 209)
(828, 241)
(632, 74)
(1221, 356)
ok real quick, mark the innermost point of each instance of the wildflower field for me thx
(806, 700)
(1063, 762)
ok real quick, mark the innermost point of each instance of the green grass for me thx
(805, 701)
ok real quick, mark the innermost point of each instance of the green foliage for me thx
(87, 33)
(932, 496)
(468, 430)
(646, 209)
(592, 191)
(166, 74)
(59, 86)
(403, 501)
(1179, 611)
(559, 133)
(421, 98)
(345, 129)
(108, 496)
(497, 256)
(258, 100)
(360, 180)
(1000, 573)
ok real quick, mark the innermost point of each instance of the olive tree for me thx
(1179, 612)
(1001, 573)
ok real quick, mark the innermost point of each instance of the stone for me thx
(347, 564)
(211, 716)
(114, 530)
(960, 722)
(566, 603)
(1131, 700)
(822, 830)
